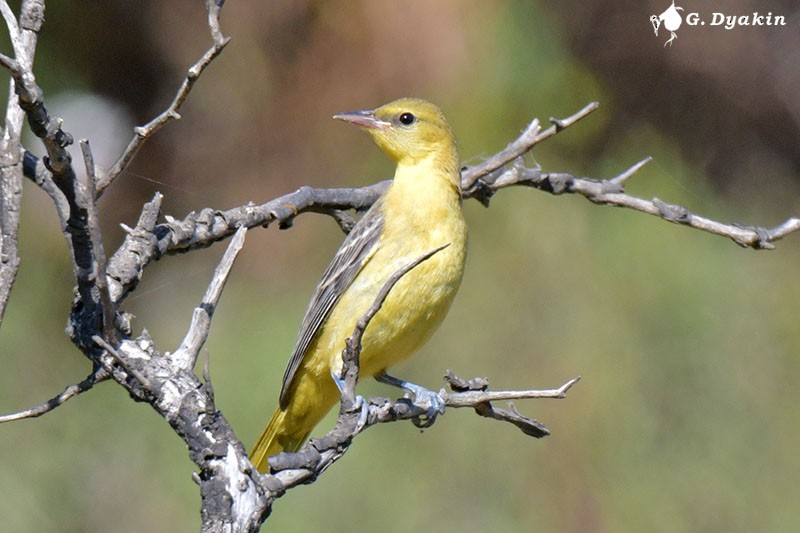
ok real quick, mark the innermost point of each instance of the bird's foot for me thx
(359, 403)
(431, 402)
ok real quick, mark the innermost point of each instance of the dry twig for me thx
(23, 36)
(70, 392)
(172, 112)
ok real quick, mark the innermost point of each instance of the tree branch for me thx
(530, 137)
(505, 169)
(502, 170)
(23, 37)
(611, 192)
(186, 355)
(304, 466)
(142, 133)
(97, 375)
(97, 277)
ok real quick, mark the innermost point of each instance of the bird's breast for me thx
(419, 301)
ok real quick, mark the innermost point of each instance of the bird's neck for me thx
(437, 172)
(425, 200)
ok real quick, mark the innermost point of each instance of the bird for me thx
(419, 212)
(672, 21)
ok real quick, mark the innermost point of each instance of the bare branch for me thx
(142, 133)
(23, 41)
(208, 226)
(36, 170)
(88, 197)
(531, 136)
(214, 7)
(44, 126)
(479, 182)
(11, 21)
(293, 469)
(473, 398)
(610, 192)
(185, 356)
(149, 241)
(70, 392)
(234, 496)
(126, 266)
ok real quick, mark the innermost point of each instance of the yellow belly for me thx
(412, 311)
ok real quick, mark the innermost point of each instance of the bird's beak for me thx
(363, 119)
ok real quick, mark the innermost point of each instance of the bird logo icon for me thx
(671, 20)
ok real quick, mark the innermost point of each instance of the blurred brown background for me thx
(687, 416)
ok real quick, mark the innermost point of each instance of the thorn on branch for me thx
(458, 384)
(673, 212)
(620, 179)
(556, 183)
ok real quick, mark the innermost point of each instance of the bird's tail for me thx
(280, 435)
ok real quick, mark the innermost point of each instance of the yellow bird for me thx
(418, 213)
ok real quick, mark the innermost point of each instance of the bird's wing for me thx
(357, 248)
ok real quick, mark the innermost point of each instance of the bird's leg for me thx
(426, 399)
(358, 402)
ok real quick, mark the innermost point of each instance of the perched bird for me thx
(419, 212)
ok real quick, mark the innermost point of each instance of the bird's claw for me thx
(430, 401)
(361, 404)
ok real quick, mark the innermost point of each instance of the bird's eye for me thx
(407, 119)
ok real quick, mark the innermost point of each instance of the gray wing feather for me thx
(345, 265)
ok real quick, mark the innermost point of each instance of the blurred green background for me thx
(688, 414)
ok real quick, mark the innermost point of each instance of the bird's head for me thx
(408, 129)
